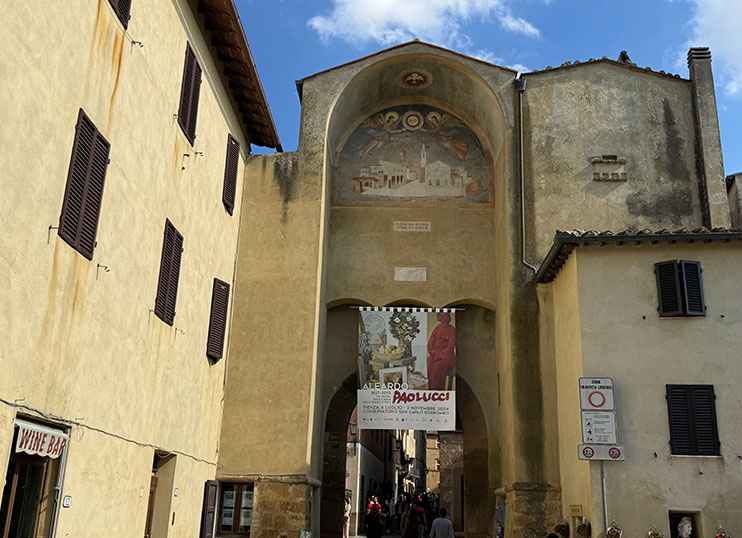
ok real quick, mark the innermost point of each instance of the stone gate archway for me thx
(341, 398)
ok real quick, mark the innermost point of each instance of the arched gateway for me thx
(403, 191)
(476, 512)
(426, 178)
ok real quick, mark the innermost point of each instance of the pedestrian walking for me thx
(442, 526)
(346, 519)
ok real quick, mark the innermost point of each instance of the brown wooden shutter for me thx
(121, 8)
(190, 90)
(167, 283)
(78, 221)
(704, 420)
(208, 514)
(218, 319)
(230, 173)
(692, 285)
(692, 417)
(678, 410)
(668, 289)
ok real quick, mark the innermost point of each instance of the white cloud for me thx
(715, 24)
(489, 56)
(393, 21)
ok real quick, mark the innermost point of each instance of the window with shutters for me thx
(235, 509)
(230, 173)
(208, 514)
(121, 8)
(218, 319)
(692, 415)
(78, 222)
(167, 283)
(680, 289)
(189, 92)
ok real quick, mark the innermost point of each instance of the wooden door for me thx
(150, 507)
(11, 484)
(25, 481)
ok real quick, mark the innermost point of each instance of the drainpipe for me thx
(520, 87)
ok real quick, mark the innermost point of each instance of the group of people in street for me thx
(411, 516)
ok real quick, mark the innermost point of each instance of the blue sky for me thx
(291, 39)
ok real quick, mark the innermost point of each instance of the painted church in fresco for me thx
(412, 155)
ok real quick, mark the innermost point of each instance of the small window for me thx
(78, 222)
(218, 319)
(437, 465)
(167, 283)
(680, 289)
(235, 509)
(190, 90)
(121, 8)
(692, 415)
(230, 173)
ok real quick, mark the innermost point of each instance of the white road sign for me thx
(601, 452)
(596, 393)
(599, 427)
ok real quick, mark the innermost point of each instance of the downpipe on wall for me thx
(520, 86)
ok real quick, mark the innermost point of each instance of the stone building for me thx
(118, 258)
(598, 145)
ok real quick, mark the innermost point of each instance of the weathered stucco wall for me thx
(567, 340)
(624, 338)
(576, 113)
(274, 323)
(85, 344)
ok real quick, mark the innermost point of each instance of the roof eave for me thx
(237, 54)
(402, 45)
(566, 242)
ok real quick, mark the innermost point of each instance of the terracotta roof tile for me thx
(566, 241)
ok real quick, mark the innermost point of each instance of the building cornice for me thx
(222, 29)
(566, 242)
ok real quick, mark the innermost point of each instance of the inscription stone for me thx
(410, 274)
(411, 226)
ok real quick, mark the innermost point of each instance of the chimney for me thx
(708, 141)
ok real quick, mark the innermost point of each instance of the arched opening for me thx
(466, 482)
(463, 463)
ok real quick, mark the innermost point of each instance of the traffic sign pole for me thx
(605, 503)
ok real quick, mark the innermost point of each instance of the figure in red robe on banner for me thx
(441, 352)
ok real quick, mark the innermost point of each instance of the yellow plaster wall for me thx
(624, 338)
(82, 343)
(568, 355)
(268, 405)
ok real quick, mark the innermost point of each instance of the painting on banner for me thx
(407, 368)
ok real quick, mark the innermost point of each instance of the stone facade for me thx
(598, 145)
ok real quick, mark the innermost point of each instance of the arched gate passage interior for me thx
(478, 475)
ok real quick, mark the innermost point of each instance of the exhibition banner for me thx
(407, 368)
